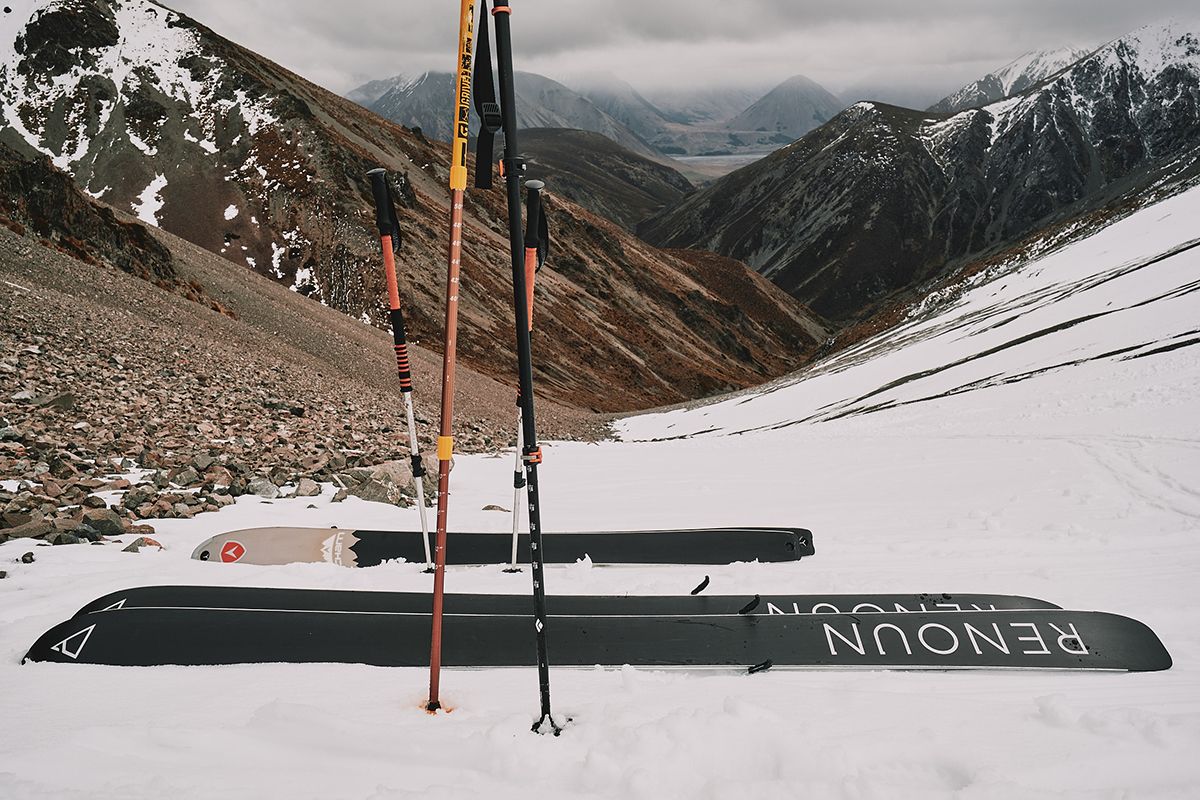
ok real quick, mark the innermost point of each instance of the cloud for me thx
(930, 46)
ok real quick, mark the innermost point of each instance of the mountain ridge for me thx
(155, 114)
(883, 198)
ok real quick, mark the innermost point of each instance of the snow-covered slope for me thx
(1036, 433)
(1129, 291)
(1013, 78)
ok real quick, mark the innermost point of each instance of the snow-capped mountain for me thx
(1013, 78)
(882, 198)
(371, 91)
(161, 118)
(541, 103)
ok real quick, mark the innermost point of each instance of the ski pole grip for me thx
(383, 200)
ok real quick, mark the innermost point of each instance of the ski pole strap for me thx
(543, 246)
(531, 455)
(485, 102)
(385, 207)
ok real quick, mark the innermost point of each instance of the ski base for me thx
(351, 547)
(1025, 639)
(254, 598)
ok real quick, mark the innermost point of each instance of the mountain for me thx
(600, 175)
(154, 114)
(882, 198)
(541, 103)
(1013, 78)
(721, 123)
(371, 91)
(39, 200)
(626, 105)
(704, 106)
(790, 110)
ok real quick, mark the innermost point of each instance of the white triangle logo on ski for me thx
(65, 646)
(117, 605)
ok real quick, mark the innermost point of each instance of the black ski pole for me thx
(537, 248)
(511, 169)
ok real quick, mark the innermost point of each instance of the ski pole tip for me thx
(536, 185)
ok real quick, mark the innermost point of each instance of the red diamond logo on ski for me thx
(232, 551)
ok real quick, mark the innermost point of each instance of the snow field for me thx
(992, 470)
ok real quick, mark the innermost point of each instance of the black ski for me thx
(241, 597)
(364, 548)
(1030, 639)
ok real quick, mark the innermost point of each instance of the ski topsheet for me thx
(253, 598)
(363, 548)
(1028, 639)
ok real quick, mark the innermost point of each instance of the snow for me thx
(1037, 65)
(150, 201)
(1001, 466)
(277, 253)
(231, 213)
(150, 43)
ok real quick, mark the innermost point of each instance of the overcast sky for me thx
(898, 50)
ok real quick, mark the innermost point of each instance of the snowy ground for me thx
(1078, 484)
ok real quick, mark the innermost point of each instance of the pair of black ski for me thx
(203, 625)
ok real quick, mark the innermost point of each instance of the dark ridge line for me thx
(1164, 349)
(985, 383)
(1177, 292)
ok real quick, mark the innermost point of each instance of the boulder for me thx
(263, 487)
(36, 529)
(104, 520)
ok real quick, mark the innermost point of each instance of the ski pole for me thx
(389, 239)
(445, 442)
(531, 454)
(537, 247)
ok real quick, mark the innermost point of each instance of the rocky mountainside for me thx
(541, 103)
(37, 199)
(153, 113)
(600, 175)
(883, 198)
(790, 110)
(1013, 78)
(102, 370)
